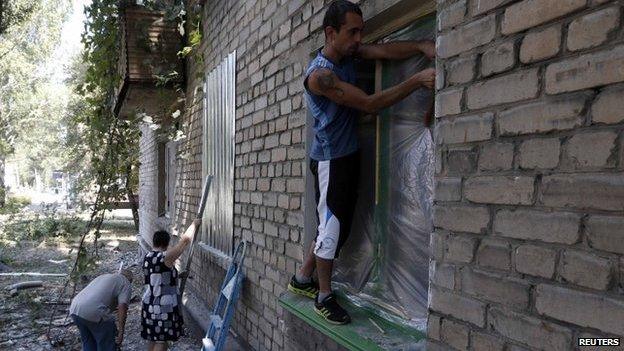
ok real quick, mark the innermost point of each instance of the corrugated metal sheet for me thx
(218, 154)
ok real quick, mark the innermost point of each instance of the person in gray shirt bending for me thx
(93, 311)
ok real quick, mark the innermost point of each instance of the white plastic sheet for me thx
(386, 259)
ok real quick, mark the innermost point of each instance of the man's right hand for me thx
(426, 77)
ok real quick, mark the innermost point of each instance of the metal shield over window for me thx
(218, 154)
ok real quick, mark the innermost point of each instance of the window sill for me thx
(361, 334)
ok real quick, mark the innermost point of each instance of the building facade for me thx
(525, 250)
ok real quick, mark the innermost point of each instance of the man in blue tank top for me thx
(335, 102)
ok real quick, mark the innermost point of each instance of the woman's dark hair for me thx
(161, 239)
(336, 14)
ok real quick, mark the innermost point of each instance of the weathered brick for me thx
(448, 102)
(514, 347)
(500, 90)
(460, 248)
(591, 149)
(528, 330)
(451, 15)
(539, 153)
(437, 241)
(530, 13)
(609, 106)
(586, 71)
(494, 254)
(294, 251)
(442, 275)
(496, 156)
(499, 189)
(466, 37)
(461, 307)
(498, 59)
(433, 326)
(464, 129)
(432, 345)
(621, 160)
(448, 189)
(592, 29)
(440, 80)
(482, 6)
(550, 227)
(585, 269)
(454, 334)
(607, 314)
(300, 33)
(540, 45)
(558, 113)
(600, 191)
(485, 342)
(621, 275)
(535, 260)
(461, 218)
(278, 154)
(606, 233)
(461, 161)
(461, 70)
(495, 288)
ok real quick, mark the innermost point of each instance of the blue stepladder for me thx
(226, 302)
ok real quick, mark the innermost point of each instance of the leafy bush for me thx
(43, 226)
(14, 204)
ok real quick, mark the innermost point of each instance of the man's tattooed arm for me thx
(327, 82)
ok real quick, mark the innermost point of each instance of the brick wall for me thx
(527, 251)
(273, 40)
(148, 184)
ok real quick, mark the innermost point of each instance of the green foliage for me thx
(84, 263)
(104, 148)
(14, 204)
(15, 12)
(41, 226)
(25, 45)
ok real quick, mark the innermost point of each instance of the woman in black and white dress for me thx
(161, 316)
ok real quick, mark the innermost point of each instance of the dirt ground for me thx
(24, 318)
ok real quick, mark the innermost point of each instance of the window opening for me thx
(385, 261)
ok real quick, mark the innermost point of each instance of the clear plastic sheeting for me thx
(385, 262)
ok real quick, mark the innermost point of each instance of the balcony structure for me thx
(149, 47)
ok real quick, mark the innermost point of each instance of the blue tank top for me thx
(334, 125)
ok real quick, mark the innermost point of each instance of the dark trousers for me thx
(98, 336)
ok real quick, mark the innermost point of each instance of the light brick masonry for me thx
(533, 233)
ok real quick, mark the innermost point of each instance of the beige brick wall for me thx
(529, 212)
(148, 184)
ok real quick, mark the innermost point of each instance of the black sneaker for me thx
(306, 289)
(331, 311)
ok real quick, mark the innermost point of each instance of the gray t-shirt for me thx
(100, 298)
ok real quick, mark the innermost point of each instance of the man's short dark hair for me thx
(161, 239)
(336, 14)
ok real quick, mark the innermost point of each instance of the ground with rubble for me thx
(24, 318)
